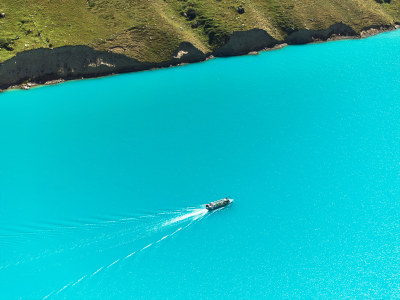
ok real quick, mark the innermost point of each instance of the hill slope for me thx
(152, 30)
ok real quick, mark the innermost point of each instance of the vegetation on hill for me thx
(151, 30)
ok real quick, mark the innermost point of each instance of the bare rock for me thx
(305, 36)
(41, 65)
(243, 42)
(71, 62)
(187, 53)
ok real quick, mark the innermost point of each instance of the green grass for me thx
(150, 30)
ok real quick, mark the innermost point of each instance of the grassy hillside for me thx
(150, 30)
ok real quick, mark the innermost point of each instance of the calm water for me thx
(102, 181)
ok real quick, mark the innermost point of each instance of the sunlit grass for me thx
(150, 30)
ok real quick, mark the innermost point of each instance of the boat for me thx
(219, 203)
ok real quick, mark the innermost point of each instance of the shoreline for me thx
(192, 56)
(362, 35)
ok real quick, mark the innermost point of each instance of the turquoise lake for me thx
(103, 181)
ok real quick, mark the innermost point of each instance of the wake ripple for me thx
(124, 232)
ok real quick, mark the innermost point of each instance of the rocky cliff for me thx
(71, 62)
(44, 40)
(38, 66)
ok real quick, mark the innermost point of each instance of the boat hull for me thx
(218, 204)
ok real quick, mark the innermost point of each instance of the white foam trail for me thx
(97, 271)
(163, 238)
(128, 219)
(80, 226)
(130, 255)
(146, 247)
(180, 228)
(79, 280)
(191, 216)
(48, 295)
(113, 263)
(197, 214)
(64, 287)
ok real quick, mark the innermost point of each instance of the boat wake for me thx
(101, 245)
(196, 214)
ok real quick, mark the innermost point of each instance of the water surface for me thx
(102, 181)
